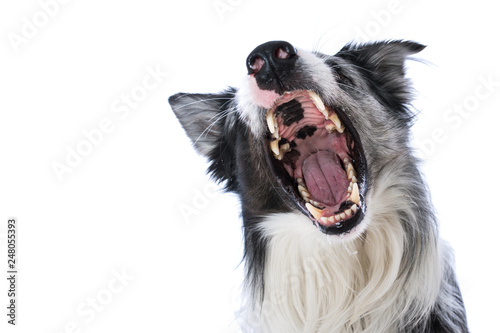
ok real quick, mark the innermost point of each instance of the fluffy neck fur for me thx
(390, 285)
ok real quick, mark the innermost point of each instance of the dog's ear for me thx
(383, 64)
(204, 118)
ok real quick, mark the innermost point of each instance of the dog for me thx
(340, 234)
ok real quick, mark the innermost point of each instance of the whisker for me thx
(354, 88)
(214, 120)
(203, 100)
(344, 66)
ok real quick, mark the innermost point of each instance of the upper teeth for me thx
(271, 121)
(335, 119)
(318, 103)
(337, 124)
(272, 124)
(279, 151)
(274, 147)
(332, 123)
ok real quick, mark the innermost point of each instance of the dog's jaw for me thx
(347, 179)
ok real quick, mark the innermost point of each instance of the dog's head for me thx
(306, 131)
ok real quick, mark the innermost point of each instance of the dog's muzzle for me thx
(313, 149)
(271, 64)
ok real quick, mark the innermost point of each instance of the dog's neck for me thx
(314, 284)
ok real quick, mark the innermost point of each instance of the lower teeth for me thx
(316, 208)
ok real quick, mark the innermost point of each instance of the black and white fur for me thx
(392, 273)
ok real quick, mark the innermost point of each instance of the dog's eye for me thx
(339, 73)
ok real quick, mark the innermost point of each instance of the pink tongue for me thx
(324, 177)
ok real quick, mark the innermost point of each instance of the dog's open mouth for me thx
(318, 160)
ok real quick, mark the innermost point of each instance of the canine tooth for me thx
(354, 208)
(271, 124)
(276, 135)
(333, 117)
(316, 212)
(330, 128)
(274, 147)
(355, 194)
(318, 102)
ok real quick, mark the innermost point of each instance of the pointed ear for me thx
(202, 116)
(384, 64)
(384, 58)
(205, 120)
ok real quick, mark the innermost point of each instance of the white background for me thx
(117, 211)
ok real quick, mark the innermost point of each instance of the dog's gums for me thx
(319, 156)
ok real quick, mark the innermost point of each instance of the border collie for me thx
(339, 230)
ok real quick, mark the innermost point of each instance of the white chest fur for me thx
(315, 285)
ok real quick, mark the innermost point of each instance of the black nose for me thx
(271, 63)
